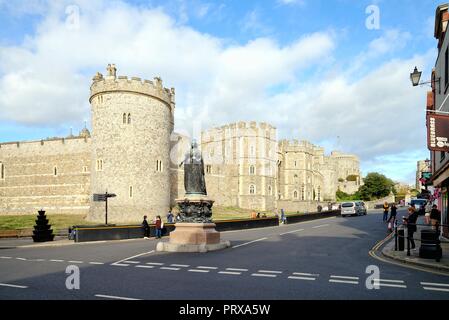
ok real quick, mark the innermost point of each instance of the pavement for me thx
(326, 259)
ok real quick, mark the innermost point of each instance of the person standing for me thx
(169, 217)
(411, 224)
(386, 207)
(393, 213)
(159, 225)
(146, 228)
(283, 216)
(435, 217)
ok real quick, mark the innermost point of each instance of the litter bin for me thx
(401, 239)
(430, 245)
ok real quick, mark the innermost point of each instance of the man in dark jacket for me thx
(393, 212)
(146, 228)
(411, 224)
(435, 217)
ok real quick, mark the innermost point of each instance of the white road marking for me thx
(180, 265)
(343, 281)
(12, 286)
(391, 281)
(23, 259)
(133, 262)
(436, 289)
(155, 263)
(96, 262)
(114, 297)
(246, 243)
(263, 275)
(321, 226)
(38, 260)
(119, 265)
(390, 285)
(170, 268)
(55, 260)
(129, 258)
(142, 266)
(305, 274)
(344, 277)
(75, 261)
(235, 269)
(435, 284)
(230, 272)
(205, 267)
(5, 257)
(198, 270)
(294, 231)
(269, 271)
(301, 278)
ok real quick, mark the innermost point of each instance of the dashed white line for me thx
(142, 266)
(435, 284)
(391, 281)
(294, 231)
(5, 257)
(198, 270)
(269, 271)
(305, 274)
(343, 281)
(436, 289)
(55, 260)
(246, 243)
(155, 263)
(390, 285)
(230, 272)
(180, 265)
(98, 263)
(235, 269)
(114, 297)
(23, 259)
(12, 286)
(119, 265)
(132, 262)
(345, 277)
(264, 275)
(301, 278)
(38, 260)
(321, 226)
(170, 268)
(206, 267)
(75, 261)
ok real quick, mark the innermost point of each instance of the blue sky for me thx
(311, 68)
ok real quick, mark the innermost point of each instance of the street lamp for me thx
(415, 76)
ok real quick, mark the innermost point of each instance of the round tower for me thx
(131, 125)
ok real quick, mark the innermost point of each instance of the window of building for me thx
(130, 191)
(208, 169)
(319, 194)
(296, 164)
(302, 193)
(2, 171)
(270, 191)
(55, 171)
(159, 167)
(252, 170)
(124, 118)
(100, 165)
(252, 189)
(295, 194)
(85, 169)
(129, 118)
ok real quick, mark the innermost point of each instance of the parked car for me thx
(354, 208)
(420, 206)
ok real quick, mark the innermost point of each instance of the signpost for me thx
(104, 197)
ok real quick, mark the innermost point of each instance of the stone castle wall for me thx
(49, 174)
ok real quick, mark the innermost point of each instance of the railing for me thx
(435, 228)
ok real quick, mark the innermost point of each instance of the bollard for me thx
(395, 238)
(408, 243)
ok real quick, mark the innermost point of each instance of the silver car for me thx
(353, 208)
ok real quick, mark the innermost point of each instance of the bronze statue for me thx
(194, 182)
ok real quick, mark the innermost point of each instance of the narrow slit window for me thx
(55, 171)
(129, 118)
(130, 191)
(2, 171)
(124, 118)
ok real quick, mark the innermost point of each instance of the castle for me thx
(134, 152)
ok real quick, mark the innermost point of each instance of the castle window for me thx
(124, 118)
(2, 171)
(208, 169)
(85, 169)
(252, 189)
(295, 194)
(252, 170)
(99, 165)
(319, 194)
(130, 191)
(296, 164)
(55, 171)
(270, 191)
(302, 193)
(129, 118)
(159, 166)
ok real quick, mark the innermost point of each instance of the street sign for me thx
(426, 175)
(104, 197)
(438, 132)
(99, 197)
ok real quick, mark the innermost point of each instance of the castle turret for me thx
(131, 125)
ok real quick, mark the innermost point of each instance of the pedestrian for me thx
(159, 225)
(169, 217)
(410, 221)
(283, 216)
(435, 217)
(386, 207)
(393, 213)
(258, 215)
(146, 228)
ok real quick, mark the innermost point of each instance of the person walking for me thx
(411, 224)
(169, 217)
(435, 217)
(386, 207)
(393, 213)
(283, 216)
(159, 225)
(146, 228)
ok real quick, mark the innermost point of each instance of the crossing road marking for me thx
(12, 286)
(180, 265)
(230, 272)
(301, 278)
(263, 275)
(344, 277)
(246, 243)
(205, 267)
(170, 268)
(343, 281)
(234, 269)
(198, 270)
(155, 263)
(141, 266)
(114, 297)
(305, 274)
(269, 271)
(133, 262)
(119, 265)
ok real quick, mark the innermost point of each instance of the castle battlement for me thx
(44, 144)
(112, 83)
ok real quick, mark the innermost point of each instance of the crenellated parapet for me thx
(111, 83)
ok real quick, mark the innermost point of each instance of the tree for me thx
(376, 186)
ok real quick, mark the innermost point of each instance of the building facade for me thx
(134, 153)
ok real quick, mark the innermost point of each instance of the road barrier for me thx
(311, 216)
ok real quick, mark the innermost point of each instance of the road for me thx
(323, 259)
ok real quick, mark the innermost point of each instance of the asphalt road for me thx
(323, 259)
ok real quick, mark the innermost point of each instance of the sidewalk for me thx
(414, 259)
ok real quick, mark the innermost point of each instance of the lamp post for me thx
(415, 77)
